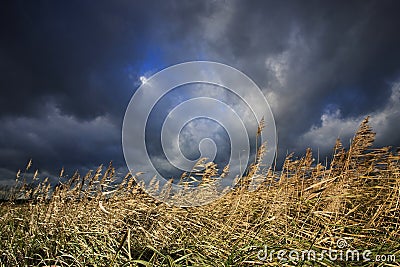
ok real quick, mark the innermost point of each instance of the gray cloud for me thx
(334, 125)
(312, 57)
(58, 140)
(68, 70)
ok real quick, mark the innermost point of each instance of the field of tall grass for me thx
(307, 207)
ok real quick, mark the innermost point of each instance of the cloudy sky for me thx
(68, 70)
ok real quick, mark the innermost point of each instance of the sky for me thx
(68, 70)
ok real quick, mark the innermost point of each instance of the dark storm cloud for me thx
(76, 52)
(68, 69)
(314, 56)
(58, 140)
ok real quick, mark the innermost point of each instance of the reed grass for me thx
(92, 220)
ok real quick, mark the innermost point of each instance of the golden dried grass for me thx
(92, 221)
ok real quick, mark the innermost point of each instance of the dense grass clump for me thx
(354, 204)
